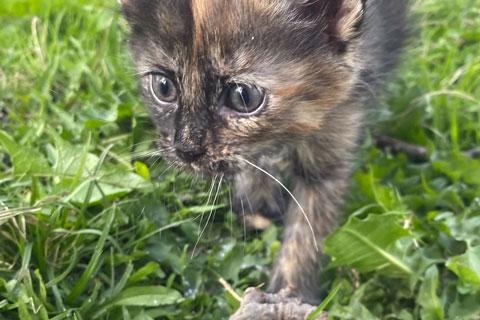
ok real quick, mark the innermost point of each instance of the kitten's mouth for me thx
(209, 166)
(213, 167)
(207, 162)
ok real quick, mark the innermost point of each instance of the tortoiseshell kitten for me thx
(278, 84)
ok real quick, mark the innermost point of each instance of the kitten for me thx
(253, 88)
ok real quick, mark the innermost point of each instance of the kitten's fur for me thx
(320, 63)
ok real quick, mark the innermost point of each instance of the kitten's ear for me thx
(343, 18)
(124, 6)
(130, 8)
(124, 3)
(134, 11)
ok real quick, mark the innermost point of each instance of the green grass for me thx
(93, 227)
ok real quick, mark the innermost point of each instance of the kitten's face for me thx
(233, 79)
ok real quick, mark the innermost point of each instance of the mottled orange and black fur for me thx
(317, 65)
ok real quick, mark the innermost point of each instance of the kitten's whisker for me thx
(157, 161)
(231, 211)
(143, 152)
(244, 226)
(203, 214)
(128, 149)
(210, 192)
(310, 226)
(215, 201)
(249, 203)
(209, 216)
(164, 171)
(193, 180)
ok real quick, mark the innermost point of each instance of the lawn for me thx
(93, 225)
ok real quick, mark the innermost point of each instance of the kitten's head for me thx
(231, 79)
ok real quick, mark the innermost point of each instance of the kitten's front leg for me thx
(295, 276)
(298, 265)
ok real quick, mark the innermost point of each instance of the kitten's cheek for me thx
(164, 111)
(165, 132)
(165, 122)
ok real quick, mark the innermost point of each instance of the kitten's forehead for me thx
(226, 30)
(220, 17)
(231, 35)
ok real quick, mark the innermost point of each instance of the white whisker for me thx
(231, 211)
(292, 196)
(164, 171)
(209, 216)
(244, 227)
(210, 192)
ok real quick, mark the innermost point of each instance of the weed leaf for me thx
(467, 266)
(367, 245)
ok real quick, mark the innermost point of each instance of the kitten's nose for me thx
(189, 153)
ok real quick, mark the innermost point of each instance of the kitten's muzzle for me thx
(189, 153)
(189, 142)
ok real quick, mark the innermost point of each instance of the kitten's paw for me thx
(300, 287)
(266, 306)
(257, 221)
(258, 215)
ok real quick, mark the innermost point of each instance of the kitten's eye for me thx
(162, 88)
(244, 98)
